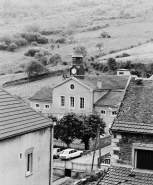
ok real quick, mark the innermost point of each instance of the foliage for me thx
(105, 34)
(123, 55)
(65, 63)
(32, 28)
(61, 40)
(34, 43)
(52, 46)
(55, 59)
(66, 128)
(81, 50)
(32, 51)
(100, 45)
(112, 64)
(35, 68)
(41, 58)
(12, 47)
(3, 46)
(89, 126)
(34, 37)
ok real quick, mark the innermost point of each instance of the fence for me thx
(78, 145)
(105, 141)
(61, 144)
(73, 166)
(105, 159)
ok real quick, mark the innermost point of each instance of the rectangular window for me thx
(62, 101)
(82, 103)
(114, 113)
(144, 159)
(37, 105)
(121, 73)
(29, 161)
(46, 106)
(102, 111)
(72, 103)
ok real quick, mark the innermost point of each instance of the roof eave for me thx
(132, 132)
(26, 132)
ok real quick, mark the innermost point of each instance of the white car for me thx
(70, 153)
(56, 152)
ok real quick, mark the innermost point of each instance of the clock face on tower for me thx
(74, 71)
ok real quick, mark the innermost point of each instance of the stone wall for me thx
(122, 145)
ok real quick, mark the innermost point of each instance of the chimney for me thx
(99, 84)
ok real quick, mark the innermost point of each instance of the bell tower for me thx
(77, 68)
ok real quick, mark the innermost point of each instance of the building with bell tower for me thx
(77, 70)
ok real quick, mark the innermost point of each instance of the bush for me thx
(12, 47)
(105, 34)
(42, 40)
(65, 63)
(34, 44)
(7, 39)
(52, 46)
(41, 58)
(61, 40)
(123, 55)
(20, 42)
(32, 28)
(35, 68)
(31, 37)
(3, 46)
(32, 51)
(55, 59)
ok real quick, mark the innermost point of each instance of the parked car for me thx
(56, 152)
(70, 153)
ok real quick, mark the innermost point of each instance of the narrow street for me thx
(88, 158)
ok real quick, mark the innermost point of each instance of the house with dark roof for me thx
(25, 141)
(132, 137)
(82, 94)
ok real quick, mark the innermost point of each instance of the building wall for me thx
(13, 168)
(123, 73)
(41, 109)
(122, 146)
(79, 91)
(108, 117)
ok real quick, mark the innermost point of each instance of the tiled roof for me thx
(17, 118)
(108, 81)
(136, 110)
(112, 98)
(44, 94)
(125, 176)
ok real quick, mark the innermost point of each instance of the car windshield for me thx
(65, 152)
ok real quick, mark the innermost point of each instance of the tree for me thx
(67, 127)
(81, 50)
(71, 38)
(112, 64)
(35, 68)
(88, 128)
(99, 45)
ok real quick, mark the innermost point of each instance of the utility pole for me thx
(99, 161)
(94, 151)
(106, 43)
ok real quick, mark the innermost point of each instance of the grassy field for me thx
(60, 15)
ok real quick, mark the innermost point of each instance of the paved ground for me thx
(60, 181)
(88, 158)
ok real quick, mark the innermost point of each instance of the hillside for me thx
(129, 23)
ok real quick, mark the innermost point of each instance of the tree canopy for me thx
(83, 127)
(35, 68)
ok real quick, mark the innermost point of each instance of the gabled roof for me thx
(112, 99)
(44, 94)
(17, 118)
(136, 110)
(72, 78)
(108, 82)
(125, 176)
